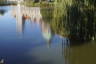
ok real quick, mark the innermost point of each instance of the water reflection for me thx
(46, 31)
(83, 54)
(22, 13)
(35, 16)
(2, 11)
(37, 42)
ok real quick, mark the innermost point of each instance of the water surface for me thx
(28, 41)
(25, 38)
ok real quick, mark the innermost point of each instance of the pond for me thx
(25, 38)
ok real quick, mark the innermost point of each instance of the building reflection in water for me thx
(22, 13)
(19, 22)
(16, 12)
(46, 32)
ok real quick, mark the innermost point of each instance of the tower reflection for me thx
(46, 32)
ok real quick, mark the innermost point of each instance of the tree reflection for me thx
(74, 19)
(2, 12)
(81, 21)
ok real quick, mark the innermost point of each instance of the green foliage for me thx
(74, 18)
(38, 4)
(5, 2)
(59, 20)
(81, 20)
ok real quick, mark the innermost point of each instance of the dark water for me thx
(31, 42)
(83, 54)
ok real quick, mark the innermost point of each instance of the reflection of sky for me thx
(29, 48)
(6, 24)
